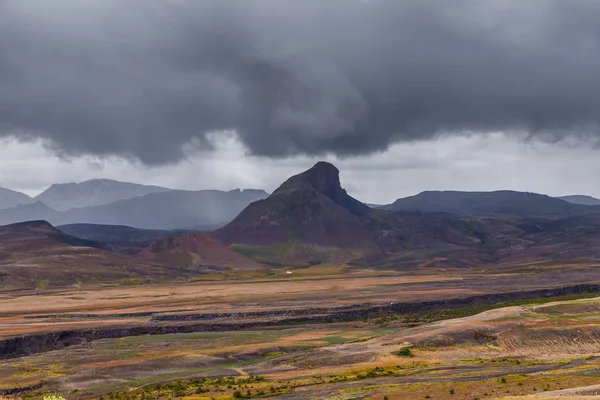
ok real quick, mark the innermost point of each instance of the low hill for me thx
(35, 254)
(504, 202)
(10, 198)
(42, 229)
(581, 199)
(64, 196)
(199, 251)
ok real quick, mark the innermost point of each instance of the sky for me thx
(402, 95)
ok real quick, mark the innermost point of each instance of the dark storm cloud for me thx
(144, 77)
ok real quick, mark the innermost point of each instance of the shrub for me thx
(404, 352)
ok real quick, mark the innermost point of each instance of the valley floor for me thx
(318, 333)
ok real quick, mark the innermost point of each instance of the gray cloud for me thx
(144, 78)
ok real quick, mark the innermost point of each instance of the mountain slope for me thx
(64, 196)
(197, 250)
(118, 238)
(307, 215)
(581, 199)
(174, 209)
(479, 203)
(113, 233)
(10, 198)
(35, 254)
(29, 212)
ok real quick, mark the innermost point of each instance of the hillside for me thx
(174, 209)
(113, 233)
(504, 202)
(199, 251)
(64, 196)
(10, 198)
(35, 254)
(581, 199)
(118, 238)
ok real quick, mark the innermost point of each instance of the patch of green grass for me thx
(130, 282)
(273, 354)
(41, 284)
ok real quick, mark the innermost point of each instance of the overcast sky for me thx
(478, 162)
(403, 95)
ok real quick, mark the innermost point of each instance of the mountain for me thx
(173, 209)
(10, 198)
(310, 219)
(481, 203)
(581, 199)
(307, 217)
(35, 254)
(199, 251)
(64, 196)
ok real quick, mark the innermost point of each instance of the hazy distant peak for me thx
(64, 196)
(581, 199)
(10, 198)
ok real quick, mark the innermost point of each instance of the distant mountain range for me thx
(199, 210)
(64, 196)
(110, 202)
(310, 219)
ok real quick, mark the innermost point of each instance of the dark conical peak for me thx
(323, 178)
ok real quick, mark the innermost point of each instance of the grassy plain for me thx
(517, 348)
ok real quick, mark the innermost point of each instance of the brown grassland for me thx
(525, 347)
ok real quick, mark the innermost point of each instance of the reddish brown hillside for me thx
(196, 250)
(35, 254)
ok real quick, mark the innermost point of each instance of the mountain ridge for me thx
(173, 209)
(93, 192)
(11, 198)
(477, 203)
